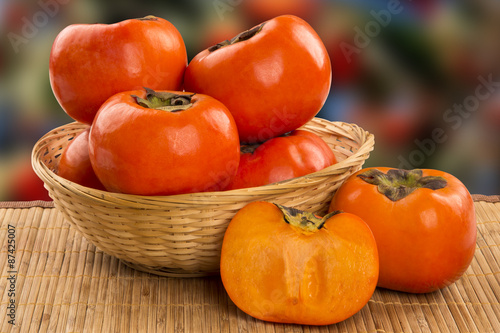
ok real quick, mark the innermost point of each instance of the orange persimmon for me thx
(89, 63)
(284, 265)
(273, 78)
(295, 154)
(74, 164)
(423, 221)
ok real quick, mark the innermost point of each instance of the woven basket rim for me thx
(180, 235)
(47, 175)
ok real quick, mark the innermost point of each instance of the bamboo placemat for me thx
(64, 284)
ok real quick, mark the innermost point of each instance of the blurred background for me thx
(423, 76)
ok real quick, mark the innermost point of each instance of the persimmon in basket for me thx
(273, 78)
(147, 142)
(74, 163)
(284, 265)
(91, 62)
(292, 155)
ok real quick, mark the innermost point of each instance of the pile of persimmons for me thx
(229, 119)
(160, 127)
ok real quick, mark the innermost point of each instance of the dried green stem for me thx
(303, 220)
(165, 101)
(245, 35)
(398, 183)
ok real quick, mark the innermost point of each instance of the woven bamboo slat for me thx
(65, 284)
(182, 235)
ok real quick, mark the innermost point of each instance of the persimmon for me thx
(294, 154)
(91, 62)
(284, 265)
(273, 78)
(423, 221)
(74, 163)
(148, 142)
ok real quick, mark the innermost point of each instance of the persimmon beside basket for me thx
(181, 235)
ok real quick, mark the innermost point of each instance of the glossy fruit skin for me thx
(91, 62)
(275, 272)
(297, 154)
(272, 83)
(146, 151)
(74, 163)
(426, 241)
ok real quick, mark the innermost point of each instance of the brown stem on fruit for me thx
(245, 35)
(165, 101)
(249, 149)
(398, 183)
(303, 220)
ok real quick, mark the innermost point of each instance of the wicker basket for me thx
(181, 235)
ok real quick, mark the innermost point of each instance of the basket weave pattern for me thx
(181, 235)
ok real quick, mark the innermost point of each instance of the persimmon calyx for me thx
(249, 149)
(245, 35)
(397, 184)
(305, 221)
(165, 101)
(252, 147)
